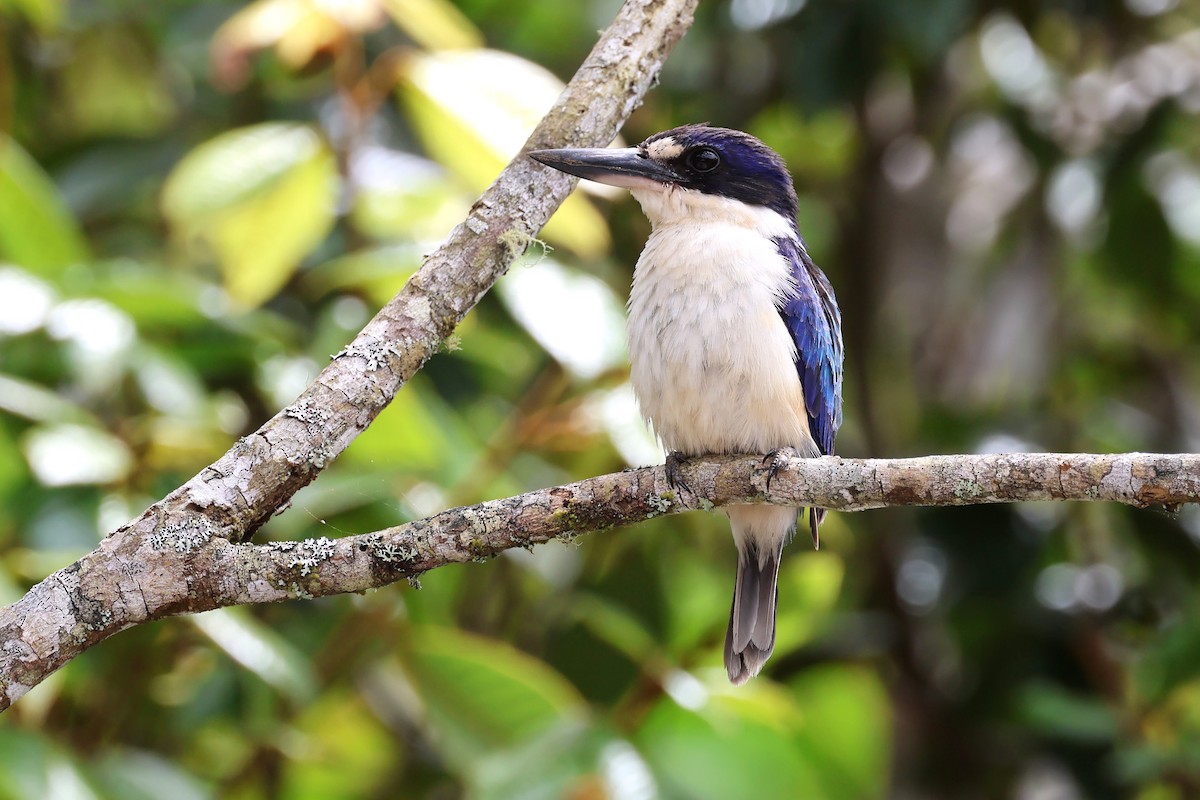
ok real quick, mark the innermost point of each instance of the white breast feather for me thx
(713, 364)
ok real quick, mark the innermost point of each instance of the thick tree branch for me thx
(226, 574)
(147, 565)
(223, 573)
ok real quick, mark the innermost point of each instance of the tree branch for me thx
(222, 573)
(226, 574)
(146, 567)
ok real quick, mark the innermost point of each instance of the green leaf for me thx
(829, 738)
(615, 625)
(46, 15)
(415, 432)
(697, 600)
(35, 402)
(112, 85)
(379, 272)
(341, 490)
(568, 760)
(817, 147)
(23, 757)
(141, 775)
(574, 316)
(68, 454)
(481, 694)
(36, 229)
(399, 196)
(474, 109)
(34, 768)
(809, 585)
(1058, 712)
(733, 743)
(347, 751)
(260, 650)
(10, 590)
(259, 199)
(434, 24)
(152, 296)
(1167, 661)
(846, 735)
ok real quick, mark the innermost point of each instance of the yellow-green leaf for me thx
(474, 109)
(260, 650)
(36, 229)
(347, 751)
(732, 741)
(297, 29)
(847, 732)
(378, 272)
(434, 24)
(46, 15)
(809, 586)
(414, 432)
(258, 199)
(481, 694)
(112, 85)
(400, 196)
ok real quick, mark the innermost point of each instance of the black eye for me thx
(703, 159)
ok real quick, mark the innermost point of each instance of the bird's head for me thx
(690, 171)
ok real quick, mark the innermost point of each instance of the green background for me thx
(201, 201)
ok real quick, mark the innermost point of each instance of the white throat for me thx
(666, 205)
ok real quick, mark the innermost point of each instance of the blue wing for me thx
(812, 317)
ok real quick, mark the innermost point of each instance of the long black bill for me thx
(628, 167)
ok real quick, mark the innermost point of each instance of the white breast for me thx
(713, 365)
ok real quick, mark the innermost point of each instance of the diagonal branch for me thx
(138, 568)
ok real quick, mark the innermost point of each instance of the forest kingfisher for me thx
(735, 339)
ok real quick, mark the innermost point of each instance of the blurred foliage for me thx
(200, 201)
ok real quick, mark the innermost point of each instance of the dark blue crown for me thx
(748, 170)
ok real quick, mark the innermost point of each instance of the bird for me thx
(735, 341)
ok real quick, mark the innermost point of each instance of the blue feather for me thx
(815, 323)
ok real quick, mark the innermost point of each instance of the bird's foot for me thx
(776, 460)
(675, 462)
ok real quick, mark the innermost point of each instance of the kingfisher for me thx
(735, 340)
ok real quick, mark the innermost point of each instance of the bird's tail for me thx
(750, 637)
(815, 517)
(760, 533)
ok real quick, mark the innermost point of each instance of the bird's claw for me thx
(674, 465)
(776, 460)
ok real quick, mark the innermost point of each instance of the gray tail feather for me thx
(815, 517)
(750, 637)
